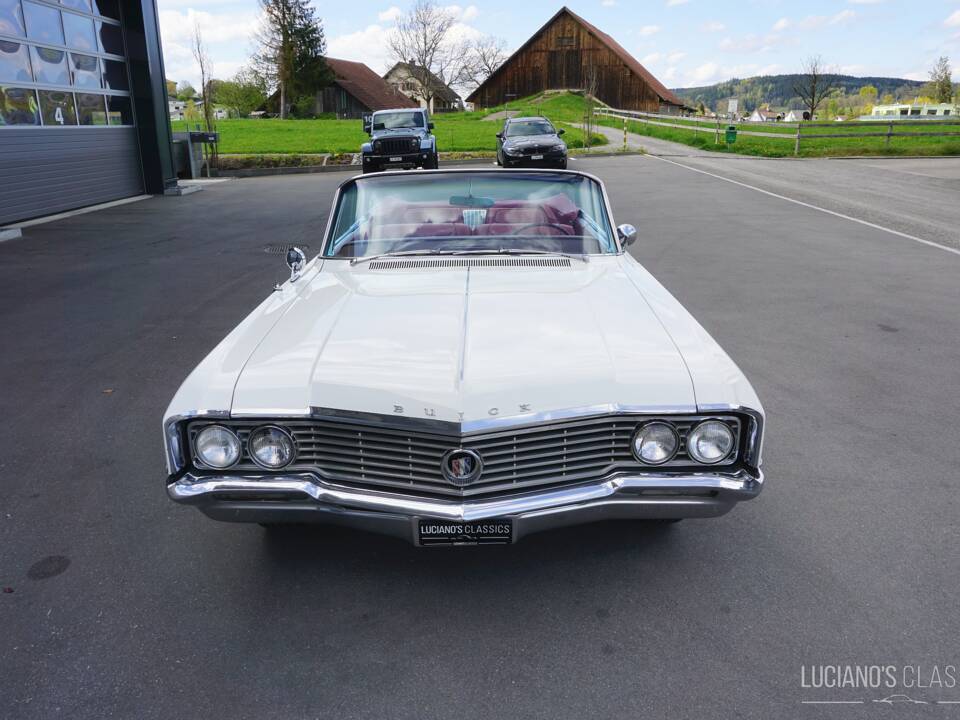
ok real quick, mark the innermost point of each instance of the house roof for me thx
(442, 91)
(366, 86)
(629, 60)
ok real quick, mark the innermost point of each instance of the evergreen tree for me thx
(291, 52)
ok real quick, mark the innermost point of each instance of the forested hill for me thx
(777, 90)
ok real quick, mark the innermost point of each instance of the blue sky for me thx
(683, 42)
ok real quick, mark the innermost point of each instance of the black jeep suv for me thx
(531, 142)
(399, 139)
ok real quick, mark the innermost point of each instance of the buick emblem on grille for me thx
(462, 467)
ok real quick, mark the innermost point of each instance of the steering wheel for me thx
(556, 226)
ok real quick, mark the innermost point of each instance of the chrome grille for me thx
(557, 453)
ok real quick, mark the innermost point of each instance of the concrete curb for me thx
(355, 169)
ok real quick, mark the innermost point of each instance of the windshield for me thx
(395, 120)
(534, 127)
(475, 212)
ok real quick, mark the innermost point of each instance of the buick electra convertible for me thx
(471, 358)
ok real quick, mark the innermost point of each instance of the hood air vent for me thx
(465, 262)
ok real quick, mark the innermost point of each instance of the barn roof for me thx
(366, 86)
(628, 59)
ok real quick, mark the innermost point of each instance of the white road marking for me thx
(831, 702)
(812, 207)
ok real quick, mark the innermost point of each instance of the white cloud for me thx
(674, 3)
(227, 35)
(842, 17)
(216, 27)
(711, 72)
(675, 57)
(390, 14)
(370, 45)
(781, 24)
(651, 59)
(953, 20)
(609, 3)
(463, 14)
(865, 2)
(713, 26)
(648, 30)
(749, 43)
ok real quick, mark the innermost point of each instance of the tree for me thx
(814, 84)
(185, 91)
(422, 38)
(868, 94)
(484, 56)
(243, 94)
(941, 81)
(291, 50)
(171, 88)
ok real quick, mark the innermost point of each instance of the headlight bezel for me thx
(690, 444)
(637, 453)
(285, 433)
(205, 462)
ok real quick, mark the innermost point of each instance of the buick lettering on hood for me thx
(471, 358)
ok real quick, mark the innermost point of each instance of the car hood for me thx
(532, 140)
(465, 345)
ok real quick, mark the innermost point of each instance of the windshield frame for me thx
(417, 113)
(329, 239)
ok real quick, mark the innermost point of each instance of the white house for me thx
(759, 115)
(794, 116)
(911, 110)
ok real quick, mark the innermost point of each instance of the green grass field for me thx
(456, 132)
(810, 146)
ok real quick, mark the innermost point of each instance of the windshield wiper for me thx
(555, 253)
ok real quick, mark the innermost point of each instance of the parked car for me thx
(531, 142)
(472, 357)
(399, 139)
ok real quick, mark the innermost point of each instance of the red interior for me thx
(554, 217)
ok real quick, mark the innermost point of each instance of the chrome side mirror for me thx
(295, 261)
(628, 235)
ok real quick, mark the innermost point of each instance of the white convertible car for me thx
(471, 358)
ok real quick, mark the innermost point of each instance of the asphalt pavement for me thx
(117, 603)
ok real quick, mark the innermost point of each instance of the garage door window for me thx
(62, 64)
(43, 23)
(57, 108)
(11, 18)
(91, 109)
(18, 106)
(14, 62)
(79, 32)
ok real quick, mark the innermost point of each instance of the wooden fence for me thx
(717, 127)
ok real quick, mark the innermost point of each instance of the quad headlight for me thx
(710, 442)
(217, 447)
(271, 447)
(656, 443)
(415, 143)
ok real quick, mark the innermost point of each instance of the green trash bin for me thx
(731, 134)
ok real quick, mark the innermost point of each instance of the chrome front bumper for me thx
(307, 498)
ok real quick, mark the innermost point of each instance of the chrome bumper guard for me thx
(308, 498)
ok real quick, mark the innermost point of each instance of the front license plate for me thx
(537, 157)
(482, 532)
(399, 159)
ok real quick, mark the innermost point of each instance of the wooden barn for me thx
(356, 90)
(568, 53)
